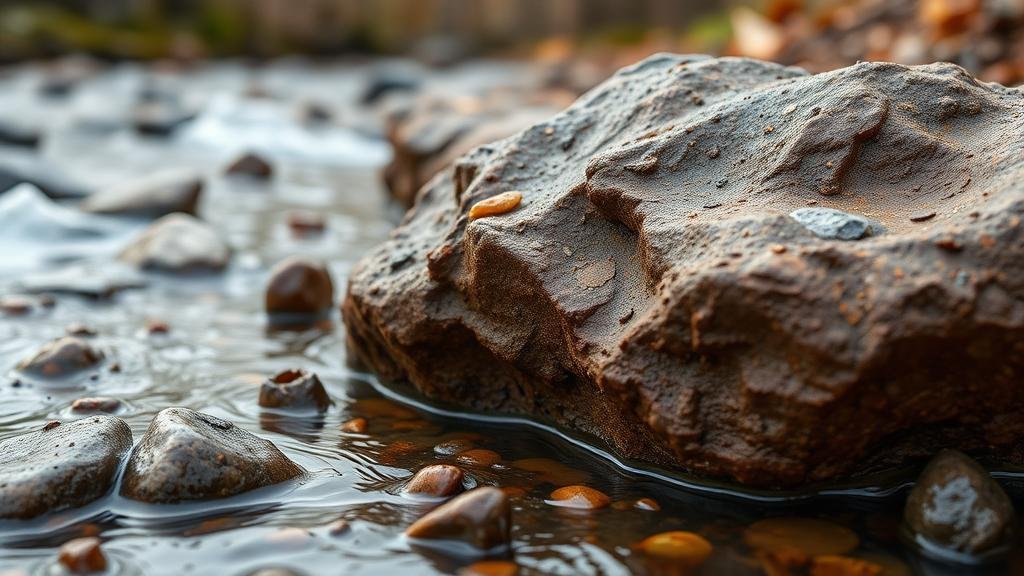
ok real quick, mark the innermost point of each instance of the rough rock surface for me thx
(653, 290)
(957, 505)
(61, 465)
(188, 455)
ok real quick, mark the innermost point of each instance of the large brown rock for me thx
(653, 289)
(61, 465)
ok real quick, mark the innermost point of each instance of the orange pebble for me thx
(577, 496)
(490, 568)
(649, 504)
(479, 457)
(83, 555)
(354, 426)
(438, 480)
(843, 566)
(678, 546)
(811, 536)
(495, 205)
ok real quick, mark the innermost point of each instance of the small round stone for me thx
(299, 286)
(678, 546)
(479, 457)
(82, 556)
(438, 480)
(294, 389)
(582, 497)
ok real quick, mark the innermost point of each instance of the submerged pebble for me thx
(82, 556)
(438, 480)
(682, 548)
(294, 389)
(61, 358)
(956, 505)
(481, 518)
(582, 497)
(252, 165)
(298, 288)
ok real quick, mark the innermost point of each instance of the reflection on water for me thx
(218, 350)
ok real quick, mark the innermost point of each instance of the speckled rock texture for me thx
(653, 289)
(187, 455)
(61, 465)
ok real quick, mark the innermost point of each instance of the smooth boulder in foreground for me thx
(187, 455)
(656, 286)
(61, 465)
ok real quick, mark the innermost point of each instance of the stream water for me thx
(218, 349)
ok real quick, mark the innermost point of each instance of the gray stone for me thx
(832, 224)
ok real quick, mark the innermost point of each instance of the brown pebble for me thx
(61, 357)
(949, 244)
(83, 555)
(479, 457)
(453, 447)
(294, 389)
(154, 326)
(15, 305)
(339, 527)
(79, 329)
(250, 164)
(306, 224)
(922, 216)
(496, 205)
(778, 248)
(354, 426)
(97, 404)
(438, 480)
(582, 497)
(490, 568)
(299, 286)
(648, 504)
(51, 425)
(482, 518)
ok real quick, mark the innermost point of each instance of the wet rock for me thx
(49, 179)
(79, 329)
(438, 480)
(481, 518)
(581, 497)
(61, 466)
(178, 243)
(188, 455)
(15, 305)
(96, 404)
(294, 389)
(152, 196)
(303, 224)
(956, 505)
(612, 302)
(354, 426)
(252, 165)
(82, 556)
(299, 288)
(833, 224)
(15, 134)
(160, 118)
(61, 358)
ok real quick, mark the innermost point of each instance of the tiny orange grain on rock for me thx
(495, 205)
(678, 546)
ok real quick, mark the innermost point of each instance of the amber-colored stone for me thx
(479, 457)
(811, 536)
(97, 404)
(495, 205)
(453, 447)
(582, 497)
(438, 480)
(482, 518)
(829, 565)
(648, 504)
(354, 426)
(678, 546)
(490, 568)
(306, 224)
(83, 555)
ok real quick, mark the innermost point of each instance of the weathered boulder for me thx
(61, 465)
(178, 243)
(153, 196)
(652, 288)
(188, 455)
(956, 505)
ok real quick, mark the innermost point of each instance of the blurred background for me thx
(985, 36)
